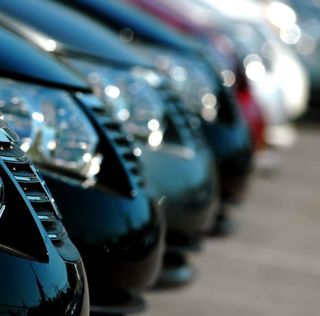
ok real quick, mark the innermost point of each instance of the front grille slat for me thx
(23, 175)
(37, 198)
(115, 134)
(125, 151)
(122, 142)
(25, 179)
(55, 230)
(46, 216)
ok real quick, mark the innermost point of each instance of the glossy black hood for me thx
(120, 15)
(72, 32)
(19, 59)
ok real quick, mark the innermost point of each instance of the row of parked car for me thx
(145, 121)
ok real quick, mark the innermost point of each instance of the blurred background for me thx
(271, 265)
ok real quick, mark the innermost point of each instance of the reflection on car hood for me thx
(21, 60)
(70, 31)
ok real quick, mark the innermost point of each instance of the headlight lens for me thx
(129, 96)
(51, 126)
(190, 78)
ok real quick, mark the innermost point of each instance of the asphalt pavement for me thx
(271, 265)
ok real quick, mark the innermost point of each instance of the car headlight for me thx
(190, 78)
(51, 126)
(129, 97)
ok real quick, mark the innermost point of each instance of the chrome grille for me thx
(176, 117)
(121, 143)
(36, 192)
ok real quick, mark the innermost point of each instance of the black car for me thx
(91, 169)
(195, 77)
(41, 270)
(176, 163)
